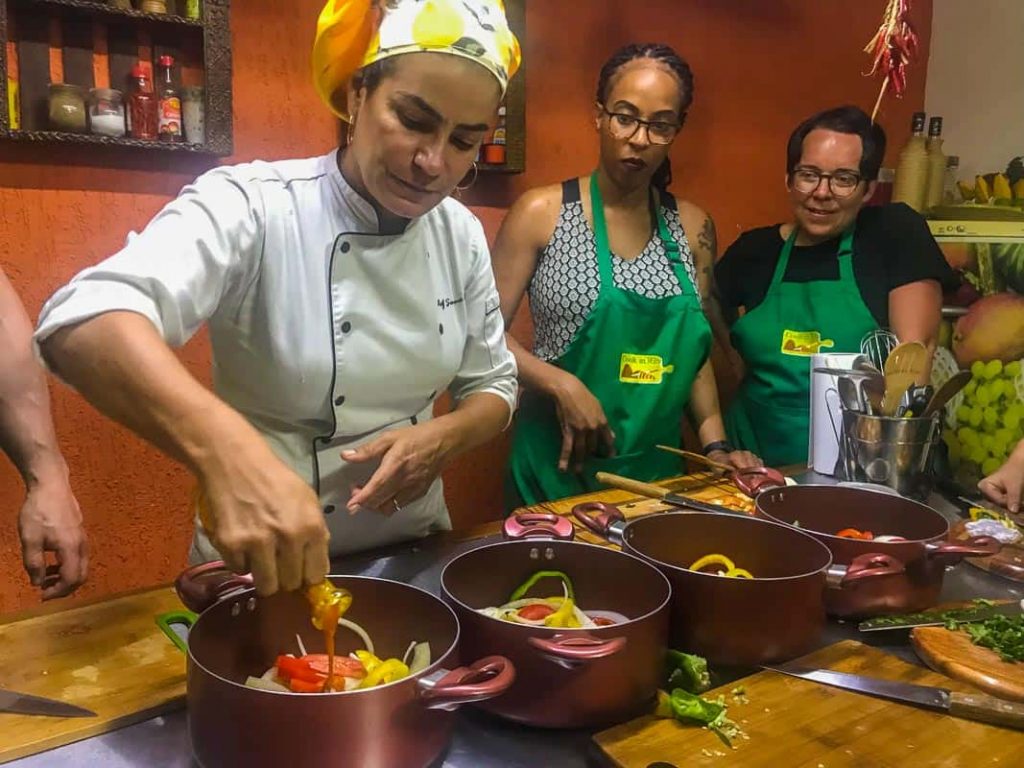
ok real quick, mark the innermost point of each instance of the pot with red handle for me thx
(408, 722)
(926, 551)
(777, 615)
(565, 678)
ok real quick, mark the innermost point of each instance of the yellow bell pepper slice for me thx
(739, 573)
(714, 559)
(385, 672)
(565, 616)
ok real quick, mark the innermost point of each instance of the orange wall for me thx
(760, 67)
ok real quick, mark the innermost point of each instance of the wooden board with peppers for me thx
(793, 722)
(702, 486)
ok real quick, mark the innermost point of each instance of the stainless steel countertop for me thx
(480, 741)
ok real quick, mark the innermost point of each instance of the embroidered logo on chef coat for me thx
(804, 343)
(445, 303)
(642, 369)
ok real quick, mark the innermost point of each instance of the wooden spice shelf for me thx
(61, 137)
(109, 10)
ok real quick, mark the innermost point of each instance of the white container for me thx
(826, 423)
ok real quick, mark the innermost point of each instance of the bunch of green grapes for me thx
(990, 421)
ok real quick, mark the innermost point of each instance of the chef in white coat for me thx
(343, 294)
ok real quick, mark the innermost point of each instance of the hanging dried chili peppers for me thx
(894, 45)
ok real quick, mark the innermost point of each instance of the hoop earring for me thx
(351, 132)
(476, 172)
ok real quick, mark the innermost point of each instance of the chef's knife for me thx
(27, 704)
(969, 706)
(939, 618)
(657, 492)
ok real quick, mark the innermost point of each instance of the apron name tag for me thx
(642, 369)
(804, 343)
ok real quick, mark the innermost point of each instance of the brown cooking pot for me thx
(405, 723)
(565, 678)
(778, 615)
(822, 511)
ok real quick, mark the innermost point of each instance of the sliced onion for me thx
(614, 616)
(343, 622)
(262, 684)
(420, 658)
(408, 653)
(270, 674)
(302, 648)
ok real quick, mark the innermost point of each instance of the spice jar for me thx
(193, 110)
(153, 6)
(106, 112)
(67, 108)
(122, 4)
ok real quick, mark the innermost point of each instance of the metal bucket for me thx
(889, 451)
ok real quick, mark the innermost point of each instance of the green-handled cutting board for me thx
(795, 723)
(109, 656)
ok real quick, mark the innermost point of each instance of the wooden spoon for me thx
(696, 457)
(904, 366)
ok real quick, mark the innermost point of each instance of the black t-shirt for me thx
(892, 246)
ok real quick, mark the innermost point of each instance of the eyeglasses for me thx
(623, 126)
(842, 183)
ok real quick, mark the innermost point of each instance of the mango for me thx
(1018, 191)
(966, 190)
(992, 329)
(982, 190)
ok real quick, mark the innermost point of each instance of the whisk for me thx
(877, 345)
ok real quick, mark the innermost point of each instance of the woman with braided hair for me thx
(616, 290)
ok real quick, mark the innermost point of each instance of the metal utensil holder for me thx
(895, 452)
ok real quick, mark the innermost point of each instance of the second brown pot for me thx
(565, 678)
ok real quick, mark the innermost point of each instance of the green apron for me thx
(771, 413)
(639, 358)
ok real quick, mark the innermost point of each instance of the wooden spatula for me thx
(904, 366)
(947, 392)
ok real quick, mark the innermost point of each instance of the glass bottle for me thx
(936, 164)
(169, 110)
(950, 191)
(912, 168)
(142, 106)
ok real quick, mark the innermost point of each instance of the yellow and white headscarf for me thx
(352, 34)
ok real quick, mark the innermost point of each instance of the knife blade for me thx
(28, 704)
(969, 706)
(658, 492)
(939, 618)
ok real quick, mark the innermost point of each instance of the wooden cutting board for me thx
(107, 656)
(953, 654)
(1008, 562)
(799, 724)
(702, 486)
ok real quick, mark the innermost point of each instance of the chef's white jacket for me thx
(324, 331)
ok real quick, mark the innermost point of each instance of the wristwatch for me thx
(718, 445)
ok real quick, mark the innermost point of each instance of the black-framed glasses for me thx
(624, 126)
(842, 183)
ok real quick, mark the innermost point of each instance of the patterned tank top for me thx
(566, 281)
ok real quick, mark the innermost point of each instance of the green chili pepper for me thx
(687, 671)
(523, 588)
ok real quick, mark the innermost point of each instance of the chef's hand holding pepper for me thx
(1005, 486)
(261, 516)
(585, 430)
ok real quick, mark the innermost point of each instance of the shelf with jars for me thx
(140, 74)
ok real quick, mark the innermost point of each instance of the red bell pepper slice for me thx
(535, 612)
